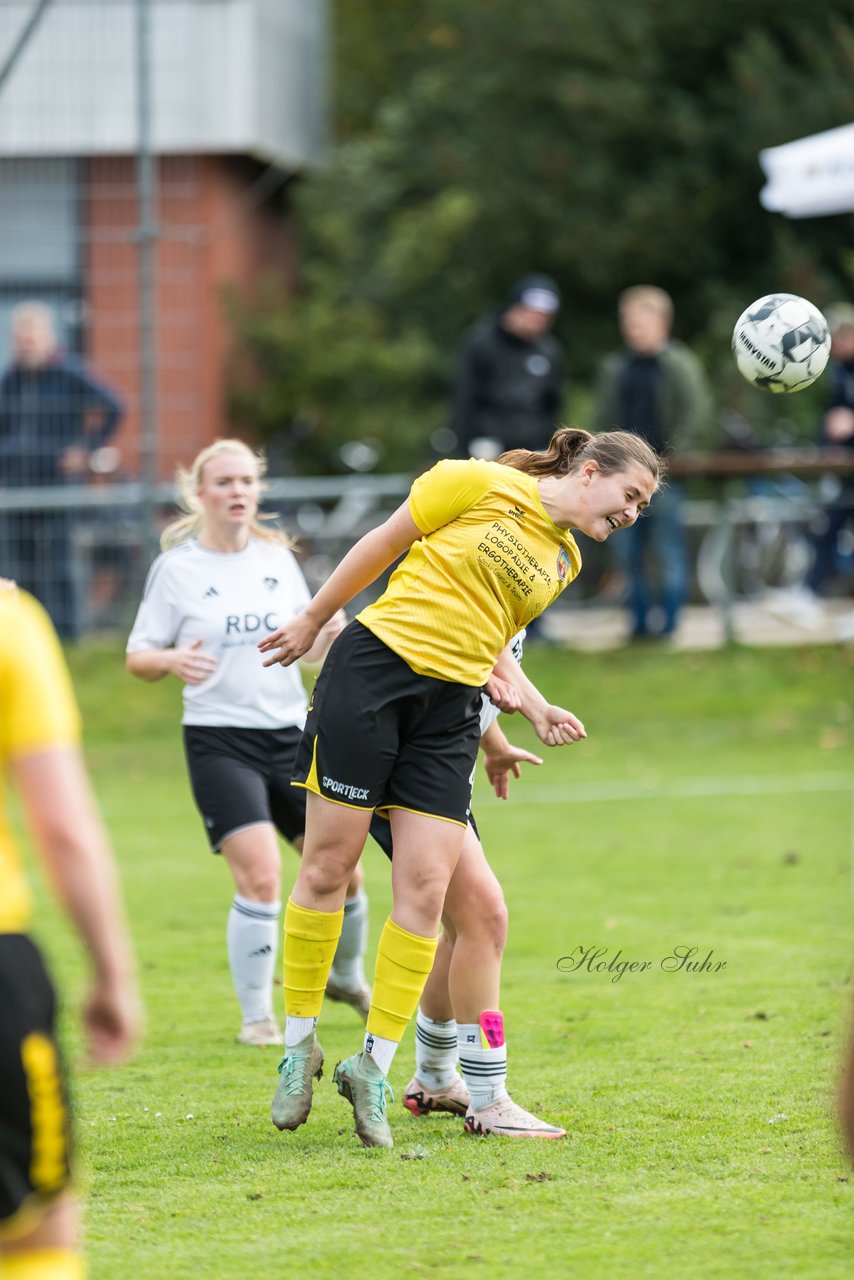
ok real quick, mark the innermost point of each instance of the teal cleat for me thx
(360, 1081)
(301, 1064)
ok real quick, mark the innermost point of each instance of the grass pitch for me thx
(710, 808)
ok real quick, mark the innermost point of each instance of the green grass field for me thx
(711, 807)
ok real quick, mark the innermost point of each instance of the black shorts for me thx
(35, 1140)
(241, 777)
(380, 736)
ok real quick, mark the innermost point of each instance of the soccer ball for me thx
(781, 342)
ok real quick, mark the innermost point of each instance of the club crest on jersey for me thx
(271, 583)
(562, 564)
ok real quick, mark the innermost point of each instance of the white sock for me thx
(484, 1070)
(252, 936)
(435, 1051)
(381, 1050)
(347, 966)
(297, 1029)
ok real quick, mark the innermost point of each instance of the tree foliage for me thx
(607, 144)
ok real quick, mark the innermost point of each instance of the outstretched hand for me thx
(557, 727)
(500, 764)
(290, 642)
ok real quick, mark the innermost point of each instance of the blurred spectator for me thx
(837, 430)
(53, 414)
(509, 384)
(655, 387)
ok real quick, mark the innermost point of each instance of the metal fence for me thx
(87, 547)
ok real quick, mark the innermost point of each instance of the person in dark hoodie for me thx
(53, 415)
(509, 389)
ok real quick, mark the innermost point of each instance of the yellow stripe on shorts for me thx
(47, 1113)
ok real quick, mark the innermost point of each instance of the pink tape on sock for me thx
(492, 1028)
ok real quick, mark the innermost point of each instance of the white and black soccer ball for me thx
(781, 343)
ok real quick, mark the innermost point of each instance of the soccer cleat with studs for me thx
(364, 1086)
(505, 1119)
(301, 1064)
(358, 999)
(421, 1101)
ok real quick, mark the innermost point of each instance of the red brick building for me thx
(237, 110)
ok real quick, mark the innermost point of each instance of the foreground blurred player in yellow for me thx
(394, 721)
(40, 752)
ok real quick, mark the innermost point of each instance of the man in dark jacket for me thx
(654, 386)
(509, 385)
(53, 414)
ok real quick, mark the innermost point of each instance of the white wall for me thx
(245, 76)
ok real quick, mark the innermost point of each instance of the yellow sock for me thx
(42, 1264)
(310, 941)
(404, 961)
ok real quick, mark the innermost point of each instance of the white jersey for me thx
(229, 602)
(488, 711)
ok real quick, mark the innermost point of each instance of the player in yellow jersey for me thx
(40, 751)
(394, 726)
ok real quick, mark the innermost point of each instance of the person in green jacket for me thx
(655, 387)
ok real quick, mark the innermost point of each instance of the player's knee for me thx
(482, 919)
(322, 875)
(421, 901)
(263, 885)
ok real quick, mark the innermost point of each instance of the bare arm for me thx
(555, 726)
(69, 835)
(361, 566)
(186, 664)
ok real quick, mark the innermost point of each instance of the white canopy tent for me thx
(812, 176)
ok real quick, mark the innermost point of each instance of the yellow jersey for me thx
(37, 711)
(490, 561)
